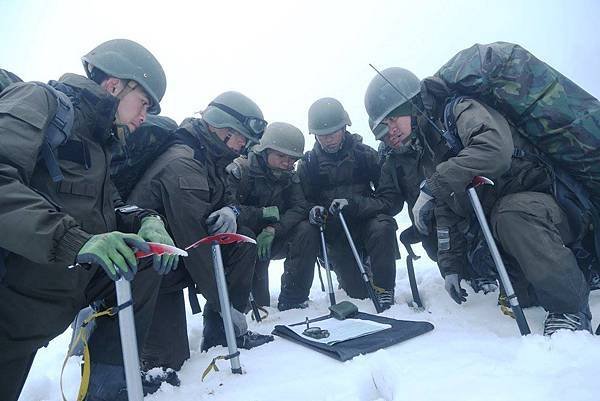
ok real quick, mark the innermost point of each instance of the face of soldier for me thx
(399, 130)
(280, 161)
(133, 108)
(331, 143)
(133, 103)
(233, 139)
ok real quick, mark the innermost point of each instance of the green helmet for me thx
(379, 131)
(326, 116)
(126, 59)
(238, 112)
(282, 137)
(382, 97)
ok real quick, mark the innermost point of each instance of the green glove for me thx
(264, 242)
(270, 214)
(153, 230)
(114, 252)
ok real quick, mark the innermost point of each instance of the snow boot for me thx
(385, 297)
(153, 379)
(566, 321)
(214, 334)
(594, 280)
(282, 306)
(485, 284)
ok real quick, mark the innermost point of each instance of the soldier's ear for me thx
(113, 85)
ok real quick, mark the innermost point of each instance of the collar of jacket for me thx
(96, 106)
(260, 168)
(218, 152)
(350, 140)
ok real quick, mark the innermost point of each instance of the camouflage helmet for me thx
(382, 97)
(238, 112)
(128, 60)
(379, 131)
(282, 137)
(326, 116)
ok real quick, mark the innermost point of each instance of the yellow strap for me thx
(212, 366)
(81, 336)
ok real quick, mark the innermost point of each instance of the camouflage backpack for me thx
(553, 113)
(131, 159)
(558, 117)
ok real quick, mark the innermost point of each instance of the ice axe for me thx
(363, 272)
(215, 242)
(129, 346)
(502, 273)
(408, 237)
(327, 267)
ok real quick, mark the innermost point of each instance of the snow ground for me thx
(474, 353)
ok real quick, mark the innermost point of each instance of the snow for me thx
(474, 353)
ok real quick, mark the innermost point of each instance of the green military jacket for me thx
(351, 173)
(252, 185)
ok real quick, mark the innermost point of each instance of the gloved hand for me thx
(423, 209)
(223, 220)
(452, 286)
(317, 215)
(337, 205)
(264, 242)
(153, 230)
(270, 214)
(114, 252)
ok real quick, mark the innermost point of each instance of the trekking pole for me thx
(363, 273)
(215, 242)
(407, 239)
(129, 346)
(327, 268)
(502, 273)
(255, 311)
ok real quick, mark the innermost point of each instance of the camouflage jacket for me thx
(252, 185)
(351, 173)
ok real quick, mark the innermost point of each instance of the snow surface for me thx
(474, 353)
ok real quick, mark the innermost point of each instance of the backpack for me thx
(57, 132)
(132, 158)
(559, 118)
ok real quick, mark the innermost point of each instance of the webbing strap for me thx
(213, 364)
(82, 336)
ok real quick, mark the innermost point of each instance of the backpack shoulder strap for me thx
(450, 133)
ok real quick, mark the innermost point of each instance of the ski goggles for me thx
(253, 124)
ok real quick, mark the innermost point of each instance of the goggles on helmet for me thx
(254, 124)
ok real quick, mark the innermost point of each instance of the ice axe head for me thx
(479, 180)
(222, 239)
(160, 249)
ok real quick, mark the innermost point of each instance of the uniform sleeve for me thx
(296, 209)
(250, 216)
(364, 207)
(389, 192)
(39, 230)
(488, 148)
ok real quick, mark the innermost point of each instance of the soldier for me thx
(273, 206)
(187, 183)
(526, 220)
(341, 173)
(51, 224)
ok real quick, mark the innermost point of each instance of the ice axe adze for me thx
(502, 273)
(363, 273)
(215, 242)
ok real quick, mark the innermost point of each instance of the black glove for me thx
(337, 205)
(317, 215)
(452, 286)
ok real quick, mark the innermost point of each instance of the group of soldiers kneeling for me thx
(230, 171)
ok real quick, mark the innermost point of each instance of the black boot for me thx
(214, 334)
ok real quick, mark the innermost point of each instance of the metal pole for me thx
(254, 307)
(510, 293)
(327, 268)
(225, 307)
(365, 277)
(412, 279)
(131, 361)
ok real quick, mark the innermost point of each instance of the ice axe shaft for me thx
(406, 237)
(129, 344)
(502, 273)
(327, 268)
(363, 273)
